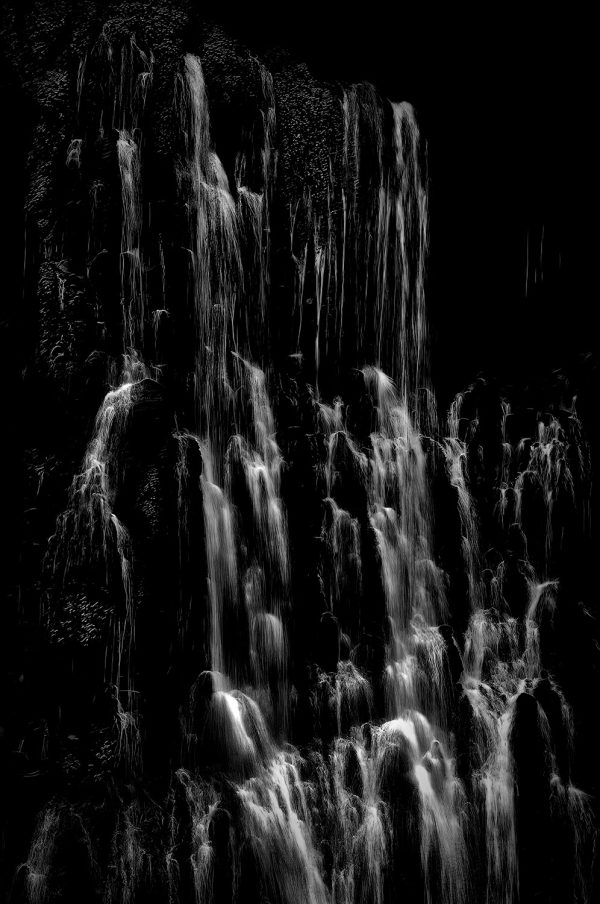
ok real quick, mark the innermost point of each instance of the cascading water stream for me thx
(216, 262)
(132, 276)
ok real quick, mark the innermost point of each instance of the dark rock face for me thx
(140, 761)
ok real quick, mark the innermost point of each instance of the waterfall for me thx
(131, 267)
(317, 629)
(216, 262)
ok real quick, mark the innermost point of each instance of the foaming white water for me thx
(277, 825)
(442, 805)
(442, 801)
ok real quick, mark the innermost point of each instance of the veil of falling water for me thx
(377, 807)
